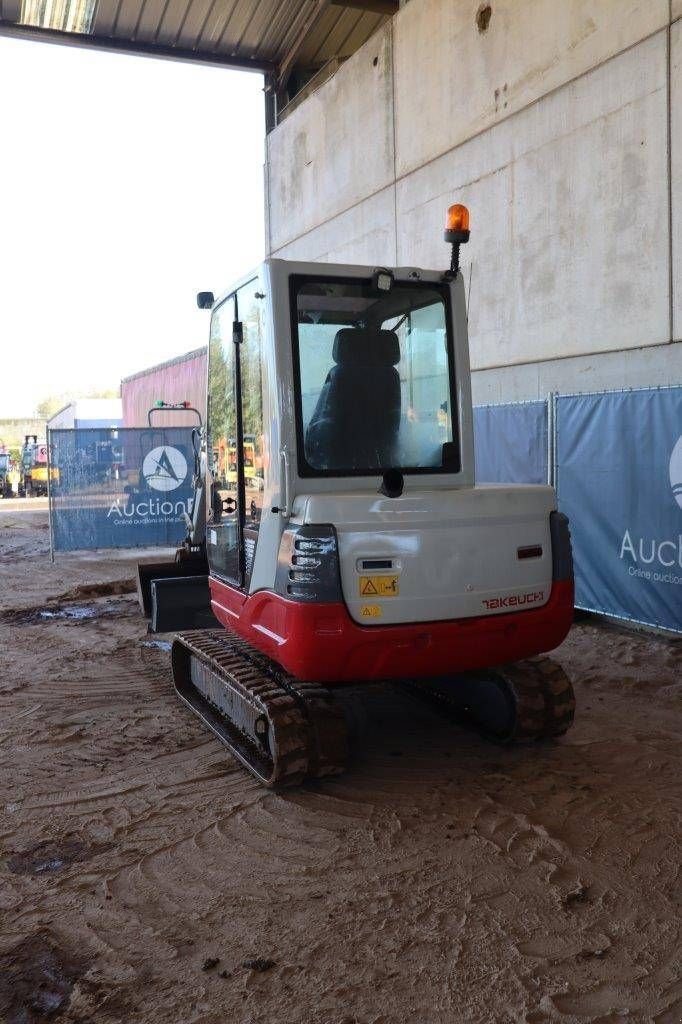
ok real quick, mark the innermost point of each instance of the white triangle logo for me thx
(676, 471)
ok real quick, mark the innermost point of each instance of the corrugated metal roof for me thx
(195, 353)
(271, 36)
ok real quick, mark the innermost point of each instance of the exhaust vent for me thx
(532, 551)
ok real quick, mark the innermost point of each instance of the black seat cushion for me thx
(357, 416)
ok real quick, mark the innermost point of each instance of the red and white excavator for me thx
(367, 551)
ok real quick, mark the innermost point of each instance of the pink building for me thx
(182, 379)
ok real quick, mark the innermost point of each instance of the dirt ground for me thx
(144, 877)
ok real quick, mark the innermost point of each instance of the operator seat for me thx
(357, 416)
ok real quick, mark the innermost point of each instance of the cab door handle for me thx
(284, 457)
(284, 486)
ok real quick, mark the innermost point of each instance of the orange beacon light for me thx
(456, 233)
(457, 223)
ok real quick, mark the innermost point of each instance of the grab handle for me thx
(285, 487)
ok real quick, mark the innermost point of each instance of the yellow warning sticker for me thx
(379, 586)
(371, 611)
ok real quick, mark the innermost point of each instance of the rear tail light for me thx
(308, 564)
(562, 555)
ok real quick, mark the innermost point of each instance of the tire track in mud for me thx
(294, 841)
(440, 879)
(163, 773)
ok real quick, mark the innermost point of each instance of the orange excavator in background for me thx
(33, 468)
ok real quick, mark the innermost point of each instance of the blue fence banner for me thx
(511, 444)
(120, 488)
(619, 479)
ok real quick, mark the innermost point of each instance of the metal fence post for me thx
(555, 442)
(49, 493)
(550, 431)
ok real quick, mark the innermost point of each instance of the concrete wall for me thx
(336, 149)
(676, 165)
(560, 126)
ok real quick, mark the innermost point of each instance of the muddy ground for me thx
(144, 877)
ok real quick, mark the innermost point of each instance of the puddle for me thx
(67, 612)
(70, 613)
(163, 645)
(36, 980)
(50, 855)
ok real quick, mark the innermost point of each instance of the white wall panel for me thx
(569, 217)
(364, 234)
(336, 149)
(653, 366)
(452, 81)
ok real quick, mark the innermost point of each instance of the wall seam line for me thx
(268, 176)
(395, 153)
(341, 213)
(669, 137)
(579, 355)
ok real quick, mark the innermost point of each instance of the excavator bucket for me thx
(181, 602)
(147, 572)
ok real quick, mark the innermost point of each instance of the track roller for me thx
(283, 731)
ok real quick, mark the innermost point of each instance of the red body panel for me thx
(320, 642)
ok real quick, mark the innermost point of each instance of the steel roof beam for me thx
(289, 59)
(43, 35)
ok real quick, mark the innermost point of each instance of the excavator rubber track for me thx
(526, 701)
(283, 731)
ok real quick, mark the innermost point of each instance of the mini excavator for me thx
(355, 545)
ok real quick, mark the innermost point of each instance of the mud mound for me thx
(110, 589)
(51, 855)
(36, 980)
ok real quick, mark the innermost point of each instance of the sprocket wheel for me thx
(539, 697)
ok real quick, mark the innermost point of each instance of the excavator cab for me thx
(367, 551)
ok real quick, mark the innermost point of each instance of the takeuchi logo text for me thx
(514, 600)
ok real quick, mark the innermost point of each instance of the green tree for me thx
(50, 405)
(220, 391)
(103, 393)
(53, 403)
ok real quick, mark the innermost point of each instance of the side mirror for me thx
(205, 300)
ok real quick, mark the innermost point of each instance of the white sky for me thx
(126, 186)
